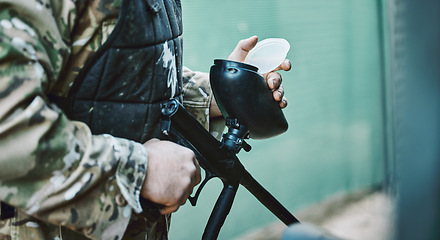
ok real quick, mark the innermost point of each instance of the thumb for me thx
(242, 49)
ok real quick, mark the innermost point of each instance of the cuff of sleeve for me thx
(131, 172)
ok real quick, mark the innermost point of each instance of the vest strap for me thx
(154, 5)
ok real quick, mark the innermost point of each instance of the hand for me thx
(273, 78)
(172, 173)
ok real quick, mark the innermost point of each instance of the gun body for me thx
(218, 160)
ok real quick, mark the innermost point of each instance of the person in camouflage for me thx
(64, 182)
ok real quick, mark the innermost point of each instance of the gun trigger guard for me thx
(193, 199)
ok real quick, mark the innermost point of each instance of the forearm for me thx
(199, 101)
(54, 169)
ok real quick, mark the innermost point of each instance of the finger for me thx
(286, 65)
(278, 94)
(198, 177)
(283, 103)
(152, 140)
(169, 209)
(242, 49)
(274, 80)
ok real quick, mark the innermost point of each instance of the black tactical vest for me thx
(120, 90)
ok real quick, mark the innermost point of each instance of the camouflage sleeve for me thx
(197, 97)
(51, 167)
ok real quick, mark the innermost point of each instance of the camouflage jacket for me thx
(64, 182)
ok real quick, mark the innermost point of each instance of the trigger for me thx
(193, 199)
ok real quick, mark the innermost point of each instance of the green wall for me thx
(336, 141)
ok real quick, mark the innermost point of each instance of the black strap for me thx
(7, 211)
(154, 5)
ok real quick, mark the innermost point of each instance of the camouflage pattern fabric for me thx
(64, 182)
(197, 97)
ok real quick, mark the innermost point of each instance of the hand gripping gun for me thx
(250, 111)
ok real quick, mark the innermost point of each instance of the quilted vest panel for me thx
(120, 90)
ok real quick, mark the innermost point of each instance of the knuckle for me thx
(192, 170)
(276, 75)
(180, 196)
(284, 103)
(288, 64)
(281, 89)
(186, 184)
(271, 75)
(173, 208)
(188, 153)
(280, 95)
(276, 95)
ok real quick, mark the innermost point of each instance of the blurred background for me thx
(364, 109)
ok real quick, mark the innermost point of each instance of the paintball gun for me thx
(250, 111)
